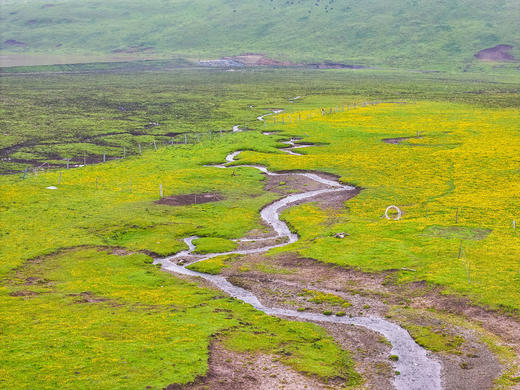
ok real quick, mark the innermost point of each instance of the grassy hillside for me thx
(407, 33)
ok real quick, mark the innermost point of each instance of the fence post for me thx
(104, 157)
(160, 190)
(154, 145)
(140, 149)
(59, 179)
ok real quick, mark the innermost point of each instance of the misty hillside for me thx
(396, 33)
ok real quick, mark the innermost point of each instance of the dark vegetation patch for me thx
(187, 199)
(134, 49)
(14, 42)
(335, 65)
(402, 141)
(77, 117)
(457, 232)
(397, 140)
(498, 53)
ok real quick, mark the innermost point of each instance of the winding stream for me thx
(417, 370)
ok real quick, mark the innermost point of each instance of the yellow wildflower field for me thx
(452, 169)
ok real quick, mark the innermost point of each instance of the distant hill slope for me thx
(394, 33)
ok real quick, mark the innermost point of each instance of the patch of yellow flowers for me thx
(459, 168)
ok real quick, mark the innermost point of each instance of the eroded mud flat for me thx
(187, 199)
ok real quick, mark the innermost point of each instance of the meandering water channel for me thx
(418, 371)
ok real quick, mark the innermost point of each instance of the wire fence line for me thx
(114, 152)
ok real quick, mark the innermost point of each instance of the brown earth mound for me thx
(497, 53)
(183, 200)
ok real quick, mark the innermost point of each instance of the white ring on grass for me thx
(399, 213)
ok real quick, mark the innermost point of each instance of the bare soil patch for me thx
(368, 348)
(398, 140)
(499, 53)
(472, 366)
(188, 199)
(23, 293)
(87, 297)
(241, 371)
(476, 368)
(369, 351)
(291, 184)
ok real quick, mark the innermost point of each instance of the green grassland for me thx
(83, 306)
(407, 33)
